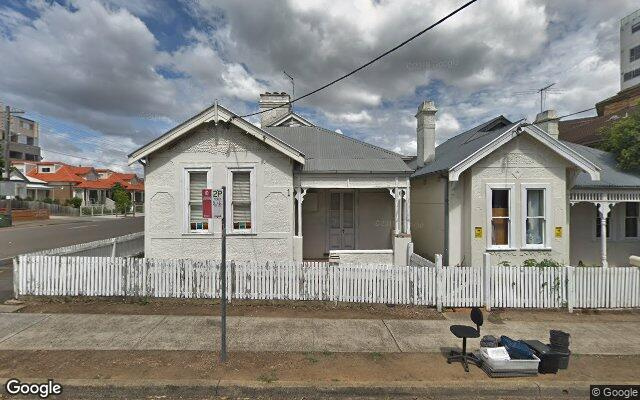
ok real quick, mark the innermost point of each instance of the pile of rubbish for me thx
(506, 357)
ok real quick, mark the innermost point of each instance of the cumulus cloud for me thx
(106, 66)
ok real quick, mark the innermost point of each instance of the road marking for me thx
(80, 227)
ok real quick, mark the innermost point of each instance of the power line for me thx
(85, 158)
(441, 20)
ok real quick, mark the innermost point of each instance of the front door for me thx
(341, 221)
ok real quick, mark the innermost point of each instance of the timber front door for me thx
(341, 221)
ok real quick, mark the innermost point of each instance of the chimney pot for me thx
(548, 122)
(270, 100)
(426, 132)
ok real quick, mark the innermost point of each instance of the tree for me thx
(622, 138)
(122, 198)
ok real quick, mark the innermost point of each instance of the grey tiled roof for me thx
(328, 151)
(463, 145)
(610, 175)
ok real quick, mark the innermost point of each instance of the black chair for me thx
(464, 332)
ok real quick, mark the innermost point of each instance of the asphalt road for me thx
(56, 233)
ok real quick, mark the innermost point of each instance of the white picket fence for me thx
(490, 286)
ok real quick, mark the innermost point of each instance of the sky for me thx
(104, 77)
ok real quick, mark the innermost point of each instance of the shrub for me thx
(546, 263)
(75, 202)
(48, 200)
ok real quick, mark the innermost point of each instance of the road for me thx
(54, 233)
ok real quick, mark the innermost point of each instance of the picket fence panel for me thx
(492, 286)
(43, 275)
(528, 287)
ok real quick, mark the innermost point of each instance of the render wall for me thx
(427, 215)
(585, 246)
(218, 149)
(521, 161)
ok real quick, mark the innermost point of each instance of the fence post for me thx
(113, 249)
(16, 276)
(439, 286)
(487, 281)
(571, 288)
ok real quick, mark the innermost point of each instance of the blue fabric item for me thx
(517, 350)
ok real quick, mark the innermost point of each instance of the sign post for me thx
(219, 204)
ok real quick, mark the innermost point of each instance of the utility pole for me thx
(223, 297)
(7, 161)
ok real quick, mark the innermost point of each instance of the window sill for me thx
(501, 249)
(198, 234)
(536, 248)
(242, 234)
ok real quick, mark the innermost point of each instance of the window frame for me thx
(489, 215)
(186, 226)
(524, 187)
(252, 190)
(624, 221)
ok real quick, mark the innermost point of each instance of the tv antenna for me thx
(293, 85)
(543, 91)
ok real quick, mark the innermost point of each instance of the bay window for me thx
(196, 181)
(500, 217)
(535, 220)
(241, 201)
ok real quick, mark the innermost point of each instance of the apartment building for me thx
(24, 141)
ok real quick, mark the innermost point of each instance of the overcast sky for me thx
(105, 77)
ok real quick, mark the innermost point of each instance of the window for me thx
(634, 53)
(535, 221)
(45, 169)
(631, 74)
(635, 27)
(631, 217)
(500, 217)
(197, 182)
(241, 200)
(598, 221)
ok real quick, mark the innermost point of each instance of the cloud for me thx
(128, 70)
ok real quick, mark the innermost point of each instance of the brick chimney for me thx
(271, 100)
(426, 132)
(548, 122)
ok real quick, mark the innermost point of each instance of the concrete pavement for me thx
(157, 332)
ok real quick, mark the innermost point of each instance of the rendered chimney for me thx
(426, 132)
(269, 101)
(548, 122)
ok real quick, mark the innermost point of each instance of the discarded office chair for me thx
(464, 332)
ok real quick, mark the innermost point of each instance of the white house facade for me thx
(294, 191)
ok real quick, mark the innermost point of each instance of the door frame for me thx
(327, 224)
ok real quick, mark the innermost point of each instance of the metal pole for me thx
(7, 161)
(223, 299)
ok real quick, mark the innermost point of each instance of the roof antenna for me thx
(543, 93)
(293, 85)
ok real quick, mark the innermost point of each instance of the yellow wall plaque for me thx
(558, 231)
(478, 232)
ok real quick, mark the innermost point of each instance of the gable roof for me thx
(64, 174)
(331, 152)
(459, 147)
(292, 116)
(610, 175)
(215, 113)
(462, 151)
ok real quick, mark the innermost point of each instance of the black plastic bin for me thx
(563, 359)
(549, 360)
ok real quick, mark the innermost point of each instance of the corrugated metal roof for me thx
(463, 145)
(610, 175)
(328, 151)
